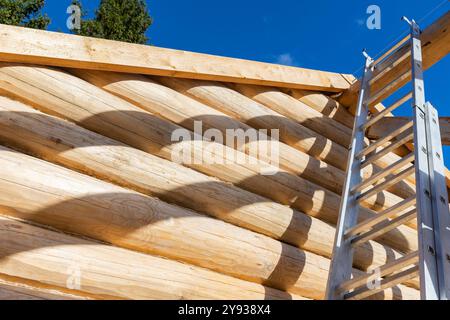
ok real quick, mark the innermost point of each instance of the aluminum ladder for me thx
(429, 204)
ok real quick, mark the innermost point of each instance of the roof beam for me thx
(389, 124)
(435, 46)
(63, 50)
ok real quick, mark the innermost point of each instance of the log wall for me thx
(88, 179)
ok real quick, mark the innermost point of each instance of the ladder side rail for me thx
(441, 214)
(429, 287)
(342, 258)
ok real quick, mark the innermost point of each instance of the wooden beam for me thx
(388, 124)
(63, 50)
(435, 46)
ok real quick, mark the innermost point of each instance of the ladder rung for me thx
(389, 89)
(389, 268)
(387, 150)
(380, 217)
(378, 116)
(387, 138)
(384, 173)
(395, 48)
(383, 228)
(391, 61)
(386, 184)
(386, 283)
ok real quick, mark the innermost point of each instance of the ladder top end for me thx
(404, 18)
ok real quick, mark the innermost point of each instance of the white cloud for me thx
(286, 59)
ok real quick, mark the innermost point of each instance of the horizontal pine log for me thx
(68, 201)
(248, 111)
(56, 259)
(170, 104)
(113, 117)
(296, 110)
(325, 105)
(333, 109)
(61, 142)
(184, 111)
(258, 116)
(13, 288)
(48, 90)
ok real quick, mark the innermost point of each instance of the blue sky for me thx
(321, 34)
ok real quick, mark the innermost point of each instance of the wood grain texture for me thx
(37, 191)
(69, 201)
(79, 149)
(63, 50)
(13, 288)
(99, 111)
(299, 112)
(254, 114)
(170, 104)
(47, 89)
(61, 260)
(258, 116)
(185, 111)
(324, 104)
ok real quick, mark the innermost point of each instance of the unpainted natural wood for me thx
(64, 50)
(56, 259)
(81, 150)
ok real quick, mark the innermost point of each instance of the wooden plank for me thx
(63, 50)
(435, 46)
(57, 259)
(78, 149)
(389, 124)
(391, 50)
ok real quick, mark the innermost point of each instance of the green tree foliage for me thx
(122, 20)
(26, 13)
